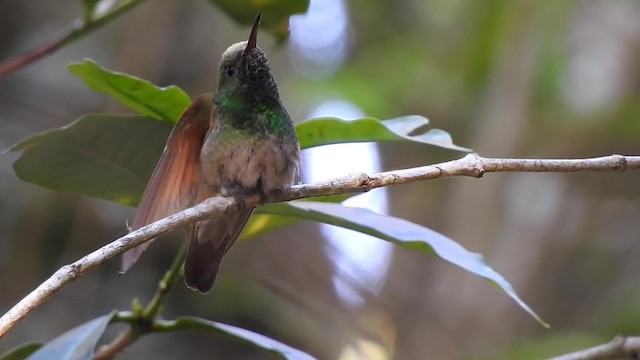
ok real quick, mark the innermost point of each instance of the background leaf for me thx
(275, 13)
(400, 232)
(162, 103)
(323, 131)
(106, 156)
(21, 352)
(78, 343)
(261, 341)
(264, 220)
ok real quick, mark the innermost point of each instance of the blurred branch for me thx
(120, 343)
(471, 165)
(93, 18)
(621, 347)
(141, 321)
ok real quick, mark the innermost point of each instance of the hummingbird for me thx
(237, 142)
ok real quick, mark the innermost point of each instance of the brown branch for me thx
(471, 165)
(621, 347)
(116, 346)
(77, 29)
(15, 63)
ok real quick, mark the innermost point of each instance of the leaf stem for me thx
(141, 322)
(153, 308)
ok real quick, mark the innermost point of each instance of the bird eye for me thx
(229, 70)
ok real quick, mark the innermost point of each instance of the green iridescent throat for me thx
(241, 114)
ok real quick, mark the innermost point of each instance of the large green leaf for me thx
(263, 220)
(400, 232)
(78, 343)
(323, 131)
(105, 156)
(261, 341)
(275, 13)
(162, 103)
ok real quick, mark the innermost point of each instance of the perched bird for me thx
(238, 141)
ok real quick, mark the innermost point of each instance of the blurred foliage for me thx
(275, 13)
(21, 352)
(548, 347)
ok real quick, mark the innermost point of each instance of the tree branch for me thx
(621, 347)
(471, 165)
(116, 346)
(77, 29)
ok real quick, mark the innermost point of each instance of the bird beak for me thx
(253, 38)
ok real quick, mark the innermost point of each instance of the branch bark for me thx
(621, 347)
(471, 165)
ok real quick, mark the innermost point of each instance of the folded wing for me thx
(172, 186)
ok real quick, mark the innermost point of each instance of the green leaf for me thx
(400, 232)
(89, 7)
(324, 131)
(255, 339)
(162, 103)
(21, 352)
(78, 343)
(275, 13)
(262, 220)
(106, 156)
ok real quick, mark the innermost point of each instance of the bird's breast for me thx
(237, 165)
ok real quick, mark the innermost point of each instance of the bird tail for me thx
(209, 242)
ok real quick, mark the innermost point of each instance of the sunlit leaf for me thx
(162, 103)
(255, 339)
(323, 131)
(78, 343)
(21, 352)
(275, 13)
(402, 233)
(262, 220)
(105, 156)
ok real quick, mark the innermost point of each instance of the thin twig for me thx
(471, 165)
(621, 347)
(164, 285)
(74, 31)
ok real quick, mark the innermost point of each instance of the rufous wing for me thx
(173, 183)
